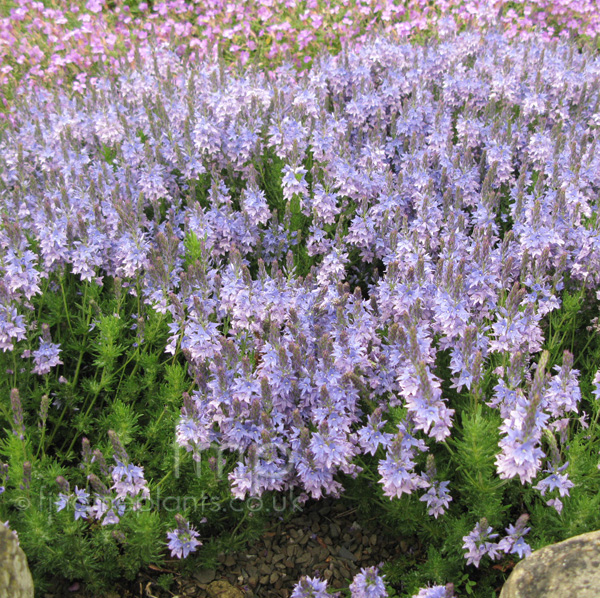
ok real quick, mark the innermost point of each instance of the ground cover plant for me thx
(43, 42)
(375, 278)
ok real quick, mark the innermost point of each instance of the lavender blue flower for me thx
(556, 503)
(310, 587)
(368, 584)
(81, 503)
(555, 481)
(46, 357)
(397, 469)
(521, 453)
(596, 382)
(12, 327)
(446, 591)
(182, 540)
(562, 394)
(21, 274)
(478, 545)
(513, 542)
(371, 436)
(129, 481)
(63, 501)
(438, 498)
(110, 517)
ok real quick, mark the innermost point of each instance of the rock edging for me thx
(562, 570)
(15, 577)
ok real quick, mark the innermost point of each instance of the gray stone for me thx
(205, 576)
(15, 578)
(564, 570)
(344, 553)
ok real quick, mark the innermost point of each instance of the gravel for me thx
(325, 540)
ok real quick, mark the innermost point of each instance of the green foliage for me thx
(109, 154)
(475, 448)
(115, 376)
(270, 181)
(194, 249)
(143, 546)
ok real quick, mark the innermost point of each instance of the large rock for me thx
(15, 578)
(565, 570)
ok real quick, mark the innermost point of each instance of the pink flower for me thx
(95, 6)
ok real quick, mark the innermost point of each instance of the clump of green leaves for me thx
(115, 377)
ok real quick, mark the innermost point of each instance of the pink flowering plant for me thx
(374, 279)
(43, 42)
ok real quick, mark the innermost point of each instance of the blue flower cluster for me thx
(478, 543)
(129, 487)
(366, 584)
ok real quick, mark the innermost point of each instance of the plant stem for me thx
(62, 288)
(134, 371)
(42, 294)
(76, 436)
(235, 529)
(78, 366)
(87, 326)
(156, 424)
(62, 415)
